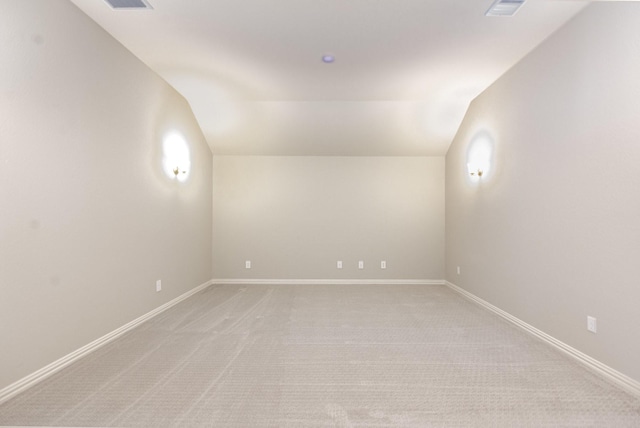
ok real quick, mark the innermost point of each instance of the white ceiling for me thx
(404, 75)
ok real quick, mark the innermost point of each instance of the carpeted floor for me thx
(325, 356)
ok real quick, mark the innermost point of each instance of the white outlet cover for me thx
(247, 264)
(159, 285)
(458, 270)
(339, 264)
(383, 264)
(360, 264)
(592, 324)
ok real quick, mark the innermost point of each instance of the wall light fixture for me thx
(176, 160)
(480, 155)
(474, 170)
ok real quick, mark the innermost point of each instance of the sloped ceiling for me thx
(404, 75)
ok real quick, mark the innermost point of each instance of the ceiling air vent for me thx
(504, 7)
(129, 4)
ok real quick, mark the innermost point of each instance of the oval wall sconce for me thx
(176, 159)
(479, 155)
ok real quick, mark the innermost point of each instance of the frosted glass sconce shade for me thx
(176, 160)
(479, 155)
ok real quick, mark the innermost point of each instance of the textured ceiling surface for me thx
(404, 75)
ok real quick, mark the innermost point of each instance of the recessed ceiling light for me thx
(504, 7)
(328, 58)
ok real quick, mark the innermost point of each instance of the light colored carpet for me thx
(325, 356)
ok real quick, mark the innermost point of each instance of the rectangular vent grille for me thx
(129, 4)
(504, 7)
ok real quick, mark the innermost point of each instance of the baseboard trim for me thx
(236, 281)
(625, 382)
(613, 375)
(38, 376)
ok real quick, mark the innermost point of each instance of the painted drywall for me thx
(88, 219)
(326, 128)
(551, 233)
(295, 217)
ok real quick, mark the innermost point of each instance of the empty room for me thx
(319, 213)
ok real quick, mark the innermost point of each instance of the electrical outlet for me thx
(339, 264)
(158, 285)
(383, 264)
(458, 270)
(360, 264)
(591, 324)
(247, 264)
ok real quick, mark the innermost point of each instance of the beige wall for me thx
(326, 128)
(88, 220)
(552, 233)
(294, 217)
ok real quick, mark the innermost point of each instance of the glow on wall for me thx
(479, 156)
(176, 160)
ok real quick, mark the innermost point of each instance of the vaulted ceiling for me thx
(404, 74)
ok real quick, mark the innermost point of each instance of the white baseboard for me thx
(620, 379)
(234, 281)
(38, 376)
(614, 376)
